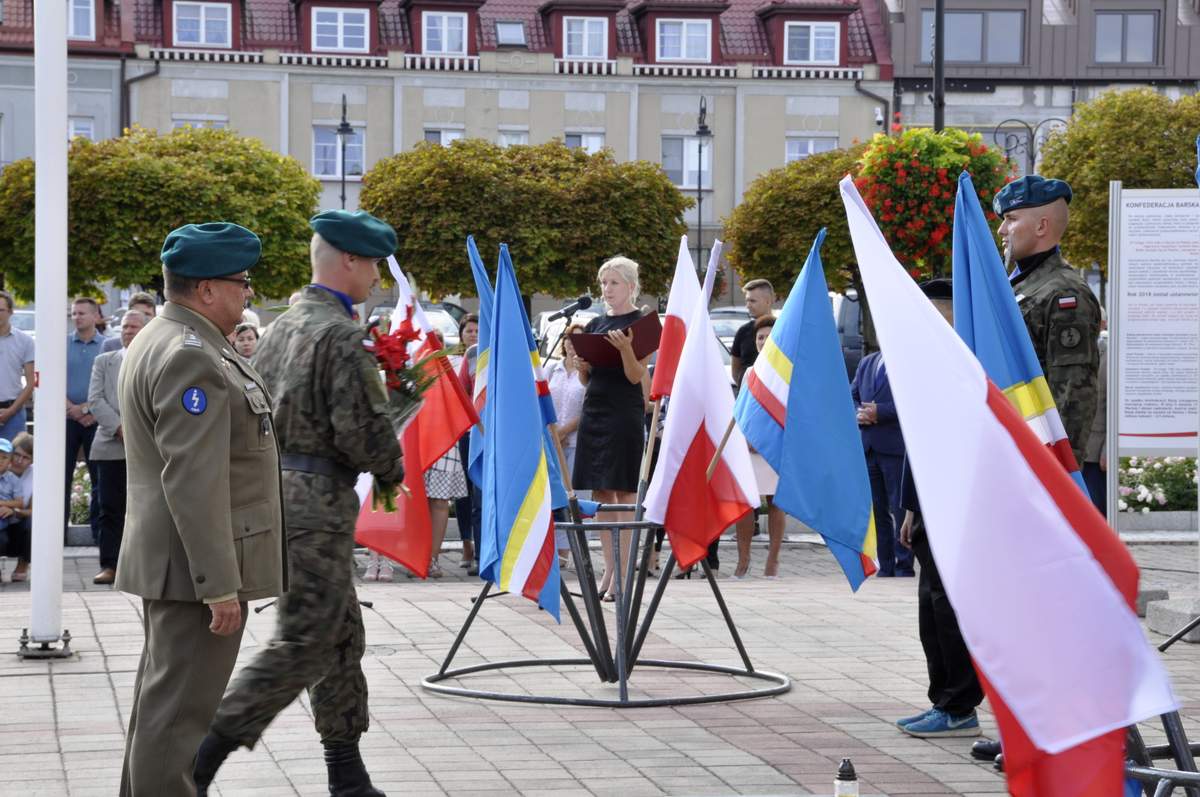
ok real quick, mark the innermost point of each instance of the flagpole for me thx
(630, 616)
(712, 466)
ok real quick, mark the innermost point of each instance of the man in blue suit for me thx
(883, 445)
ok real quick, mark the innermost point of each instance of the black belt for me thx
(320, 465)
(6, 404)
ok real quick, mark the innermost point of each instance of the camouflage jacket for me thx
(328, 402)
(1063, 319)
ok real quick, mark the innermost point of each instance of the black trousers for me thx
(111, 487)
(15, 540)
(79, 435)
(953, 685)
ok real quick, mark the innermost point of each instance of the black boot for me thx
(985, 750)
(214, 749)
(347, 775)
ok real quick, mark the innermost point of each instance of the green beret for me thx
(215, 249)
(1031, 191)
(358, 233)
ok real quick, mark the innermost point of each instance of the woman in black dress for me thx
(610, 438)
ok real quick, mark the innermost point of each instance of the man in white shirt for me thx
(16, 371)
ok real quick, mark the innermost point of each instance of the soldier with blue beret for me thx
(1060, 310)
(204, 524)
(331, 410)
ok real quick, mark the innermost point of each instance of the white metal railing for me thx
(807, 73)
(442, 63)
(575, 66)
(683, 70)
(225, 56)
(317, 59)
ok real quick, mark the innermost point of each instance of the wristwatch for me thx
(86, 410)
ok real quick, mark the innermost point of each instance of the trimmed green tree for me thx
(1140, 137)
(769, 234)
(561, 211)
(127, 193)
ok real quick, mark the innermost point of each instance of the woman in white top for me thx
(567, 392)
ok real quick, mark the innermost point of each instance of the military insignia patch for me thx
(1070, 337)
(190, 338)
(1067, 303)
(194, 401)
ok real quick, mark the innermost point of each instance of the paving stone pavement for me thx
(854, 660)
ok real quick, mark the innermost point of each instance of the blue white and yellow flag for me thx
(483, 287)
(796, 411)
(517, 535)
(988, 320)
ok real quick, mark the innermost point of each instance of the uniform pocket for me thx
(258, 431)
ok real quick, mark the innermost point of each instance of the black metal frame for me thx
(594, 633)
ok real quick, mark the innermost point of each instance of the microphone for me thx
(568, 310)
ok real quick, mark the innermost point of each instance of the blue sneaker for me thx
(914, 718)
(940, 724)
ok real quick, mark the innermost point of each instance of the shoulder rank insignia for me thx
(190, 338)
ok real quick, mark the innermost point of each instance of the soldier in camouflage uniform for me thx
(331, 418)
(1060, 311)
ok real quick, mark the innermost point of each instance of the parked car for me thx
(547, 331)
(726, 322)
(848, 313)
(24, 320)
(439, 316)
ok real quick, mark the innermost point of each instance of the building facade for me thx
(1016, 68)
(781, 80)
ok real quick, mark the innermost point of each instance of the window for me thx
(812, 42)
(202, 24)
(512, 138)
(444, 34)
(800, 147)
(327, 153)
(994, 37)
(510, 34)
(81, 19)
(684, 40)
(338, 29)
(81, 127)
(1126, 38)
(686, 162)
(591, 143)
(443, 137)
(585, 37)
(195, 121)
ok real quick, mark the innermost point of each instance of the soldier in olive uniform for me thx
(331, 414)
(204, 529)
(1060, 311)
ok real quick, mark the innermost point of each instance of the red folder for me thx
(595, 348)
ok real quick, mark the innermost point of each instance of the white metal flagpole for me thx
(50, 259)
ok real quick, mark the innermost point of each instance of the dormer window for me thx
(81, 19)
(812, 42)
(510, 34)
(585, 38)
(684, 40)
(443, 33)
(340, 30)
(202, 24)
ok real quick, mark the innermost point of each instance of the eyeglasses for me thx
(243, 281)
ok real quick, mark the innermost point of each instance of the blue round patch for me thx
(194, 400)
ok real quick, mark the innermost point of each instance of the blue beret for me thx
(215, 249)
(358, 233)
(1031, 191)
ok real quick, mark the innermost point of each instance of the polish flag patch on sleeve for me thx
(1067, 303)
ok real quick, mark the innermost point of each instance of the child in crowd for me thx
(10, 495)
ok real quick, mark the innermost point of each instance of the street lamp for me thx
(1030, 145)
(702, 133)
(344, 131)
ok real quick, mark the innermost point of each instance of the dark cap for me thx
(940, 288)
(214, 249)
(358, 233)
(1031, 191)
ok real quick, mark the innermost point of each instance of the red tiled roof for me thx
(273, 24)
(16, 31)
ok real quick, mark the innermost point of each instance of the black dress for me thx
(611, 437)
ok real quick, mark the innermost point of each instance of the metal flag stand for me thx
(611, 666)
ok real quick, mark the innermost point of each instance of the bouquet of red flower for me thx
(406, 380)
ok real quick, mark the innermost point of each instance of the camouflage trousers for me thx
(317, 645)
